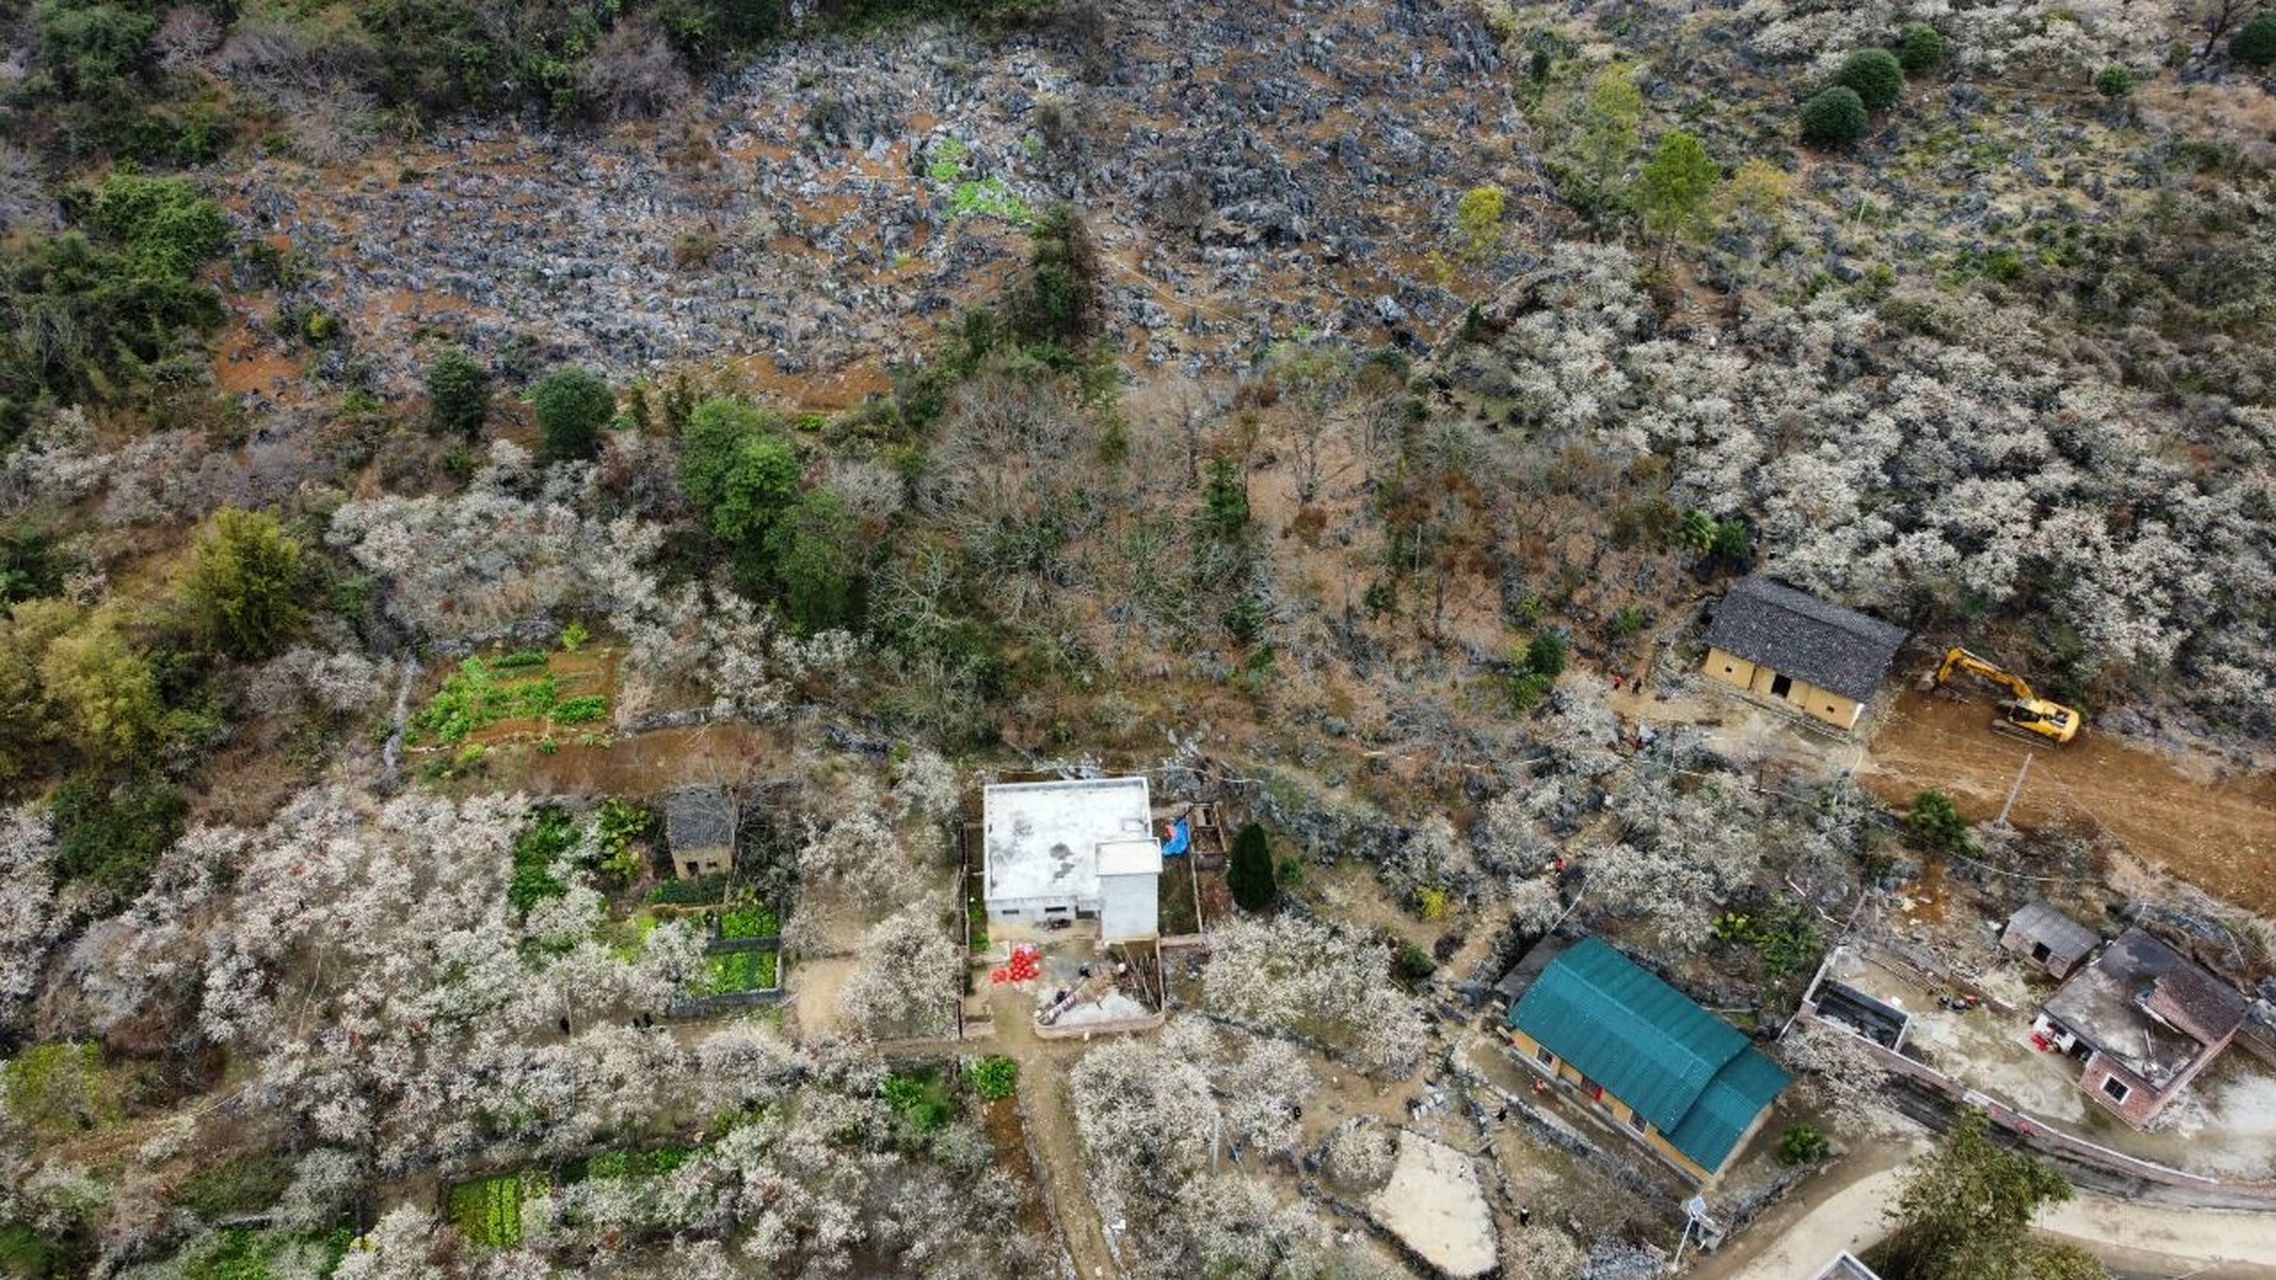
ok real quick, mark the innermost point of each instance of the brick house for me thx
(2145, 1019)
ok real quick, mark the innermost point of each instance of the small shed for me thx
(699, 831)
(2048, 938)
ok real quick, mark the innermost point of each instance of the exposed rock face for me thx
(1248, 168)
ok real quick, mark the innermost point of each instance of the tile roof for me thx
(1804, 637)
(698, 818)
(2103, 1004)
(1689, 1073)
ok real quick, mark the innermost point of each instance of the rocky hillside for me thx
(1248, 170)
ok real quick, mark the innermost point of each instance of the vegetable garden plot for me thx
(488, 1211)
(525, 694)
(733, 972)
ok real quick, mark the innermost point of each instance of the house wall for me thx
(2019, 942)
(2142, 1102)
(1819, 704)
(708, 860)
(1129, 906)
(1616, 1111)
(1032, 911)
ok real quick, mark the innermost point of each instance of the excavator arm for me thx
(1958, 659)
(2022, 712)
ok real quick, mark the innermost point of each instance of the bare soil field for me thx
(2217, 831)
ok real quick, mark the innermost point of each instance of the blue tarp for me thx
(1181, 835)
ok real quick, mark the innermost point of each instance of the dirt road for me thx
(2216, 831)
(1848, 1211)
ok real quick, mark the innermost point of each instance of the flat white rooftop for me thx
(1130, 857)
(1043, 838)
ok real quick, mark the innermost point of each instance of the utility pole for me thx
(2014, 790)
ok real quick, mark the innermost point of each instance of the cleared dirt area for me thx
(2215, 830)
(655, 762)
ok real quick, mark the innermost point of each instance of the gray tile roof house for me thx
(699, 829)
(1804, 637)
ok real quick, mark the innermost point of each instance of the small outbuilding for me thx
(2048, 938)
(699, 831)
(1820, 659)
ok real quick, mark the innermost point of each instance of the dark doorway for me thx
(1780, 686)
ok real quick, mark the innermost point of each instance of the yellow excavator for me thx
(2022, 712)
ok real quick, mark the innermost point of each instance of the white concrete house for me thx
(1079, 849)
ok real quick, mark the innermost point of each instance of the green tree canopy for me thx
(572, 406)
(1876, 75)
(815, 550)
(1249, 871)
(104, 690)
(1676, 188)
(1966, 1214)
(458, 393)
(1608, 127)
(710, 442)
(243, 587)
(1835, 118)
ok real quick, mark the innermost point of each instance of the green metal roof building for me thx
(1666, 1067)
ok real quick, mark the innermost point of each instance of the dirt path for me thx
(1797, 1239)
(1050, 1118)
(2216, 831)
(651, 763)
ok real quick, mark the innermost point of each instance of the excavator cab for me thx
(2022, 713)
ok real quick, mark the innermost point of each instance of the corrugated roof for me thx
(1804, 637)
(1747, 1083)
(2041, 922)
(1689, 1073)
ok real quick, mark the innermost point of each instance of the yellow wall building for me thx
(1782, 646)
(1661, 1069)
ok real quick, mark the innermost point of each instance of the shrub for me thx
(458, 393)
(60, 1088)
(1249, 873)
(919, 1099)
(2114, 81)
(1835, 118)
(992, 1077)
(572, 406)
(1224, 501)
(244, 586)
(165, 225)
(1058, 302)
(1478, 221)
(1936, 823)
(1801, 1144)
(1920, 48)
(2255, 43)
(1875, 75)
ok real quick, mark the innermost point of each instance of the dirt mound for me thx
(2215, 830)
